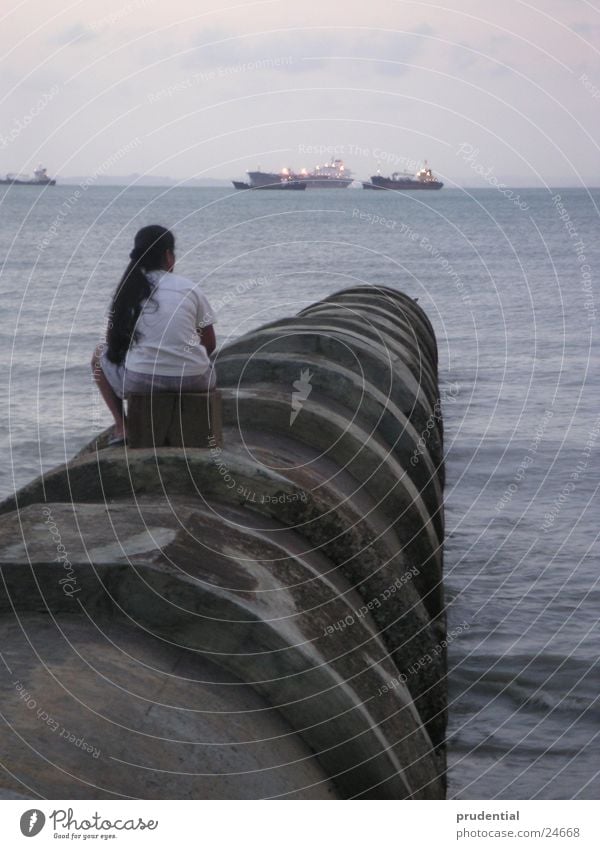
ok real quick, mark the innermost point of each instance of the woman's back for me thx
(168, 342)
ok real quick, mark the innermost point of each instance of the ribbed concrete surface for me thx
(276, 606)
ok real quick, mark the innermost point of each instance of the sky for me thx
(504, 90)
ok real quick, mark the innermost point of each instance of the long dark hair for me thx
(149, 248)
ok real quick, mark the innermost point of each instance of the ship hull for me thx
(262, 180)
(407, 185)
(280, 185)
(333, 183)
(5, 182)
(265, 179)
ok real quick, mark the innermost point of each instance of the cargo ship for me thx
(40, 178)
(423, 179)
(264, 180)
(331, 175)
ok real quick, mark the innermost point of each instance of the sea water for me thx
(510, 284)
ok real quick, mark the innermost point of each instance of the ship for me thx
(331, 175)
(285, 180)
(40, 178)
(423, 179)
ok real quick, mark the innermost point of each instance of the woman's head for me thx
(153, 248)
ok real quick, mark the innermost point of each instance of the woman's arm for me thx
(208, 338)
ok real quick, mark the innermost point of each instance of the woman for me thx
(160, 332)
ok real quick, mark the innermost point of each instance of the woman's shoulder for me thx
(177, 281)
(167, 281)
(184, 284)
(171, 282)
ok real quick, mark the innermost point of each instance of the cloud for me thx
(74, 35)
(492, 57)
(314, 49)
(584, 28)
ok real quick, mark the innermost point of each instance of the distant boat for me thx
(331, 175)
(40, 178)
(423, 179)
(264, 180)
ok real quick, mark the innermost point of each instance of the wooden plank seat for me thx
(178, 420)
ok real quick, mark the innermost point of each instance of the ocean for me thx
(509, 280)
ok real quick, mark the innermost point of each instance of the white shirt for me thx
(167, 327)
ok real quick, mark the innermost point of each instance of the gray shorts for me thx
(123, 381)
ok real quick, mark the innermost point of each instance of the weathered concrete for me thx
(373, 326)
(365, 407)
(300, 565)
(399, 307)
(125, 715)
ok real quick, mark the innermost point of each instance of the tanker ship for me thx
(285, 180)
(423, 179)
(331, 175)
(40, 178)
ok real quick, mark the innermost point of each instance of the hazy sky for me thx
(191, 88)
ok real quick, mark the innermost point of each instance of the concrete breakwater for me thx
(259, 620)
